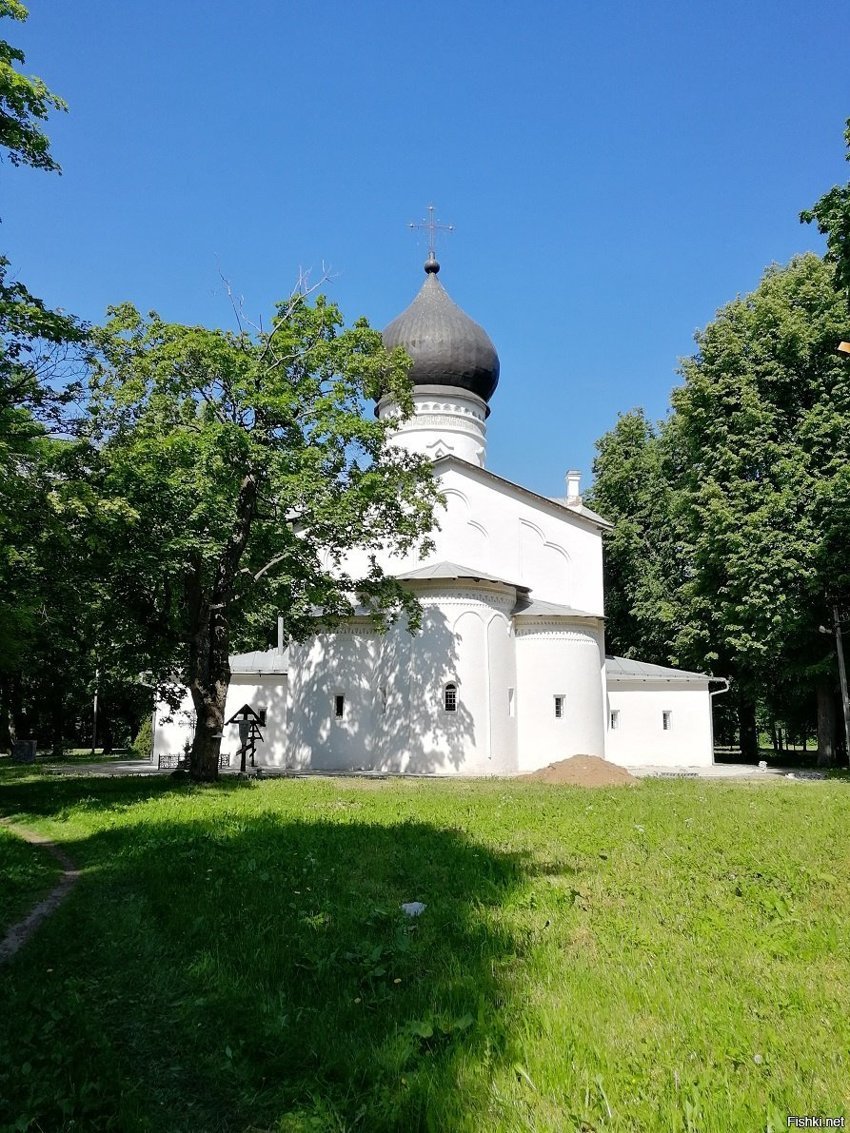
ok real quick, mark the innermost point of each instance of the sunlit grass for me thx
(667, 957)
(27, 873)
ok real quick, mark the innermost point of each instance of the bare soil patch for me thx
(583, 771)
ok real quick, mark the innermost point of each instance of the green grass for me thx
(27, 873)
(667, 957)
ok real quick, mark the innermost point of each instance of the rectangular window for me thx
(666, 720)
(559, 707)
(339, 706)
(383, 694)
(614, 719)
(512, 702)
(262, 713)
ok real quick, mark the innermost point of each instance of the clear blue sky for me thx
(615, 172)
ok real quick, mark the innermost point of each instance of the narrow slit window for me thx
(339, 706)
(666, 720)
(559, 707)
(512, 702)
(450, 697)
(383, 693)
(614, 719)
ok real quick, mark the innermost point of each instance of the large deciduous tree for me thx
(236, 468)
(732, 521)
(36, 354)
(831, 213)
(763, 423)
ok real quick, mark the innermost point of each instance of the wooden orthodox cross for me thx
(249, 731)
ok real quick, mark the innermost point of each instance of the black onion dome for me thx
(447, 347)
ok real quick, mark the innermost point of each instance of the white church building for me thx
(508, 672)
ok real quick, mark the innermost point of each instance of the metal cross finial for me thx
(433, 227)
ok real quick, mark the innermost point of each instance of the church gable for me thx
(494, 526)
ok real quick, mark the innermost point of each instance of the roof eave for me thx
(450, 460)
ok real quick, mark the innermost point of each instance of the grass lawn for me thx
(27, 873)
(674, 956)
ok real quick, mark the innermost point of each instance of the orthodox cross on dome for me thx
(432, 227)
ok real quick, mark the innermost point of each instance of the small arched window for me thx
(450, 697)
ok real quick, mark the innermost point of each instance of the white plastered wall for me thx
(639, 737)
(325, 667)
(445, 420)
(173, 730)
(395, 717)
(500, 531)
(559, 658)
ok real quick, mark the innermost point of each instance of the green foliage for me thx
(25, 102)
(633, 488)
(831, 213)
(235, 957)
(763, 426)
(234, 472)
(143, 741)
(731, 519)
(41, 591)
(28, 873)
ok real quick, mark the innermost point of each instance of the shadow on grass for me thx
(787, 760)
(44, 795)
(249, 970)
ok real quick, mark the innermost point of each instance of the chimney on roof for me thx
(573, 493)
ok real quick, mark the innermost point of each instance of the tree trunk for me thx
(827, 721)
(107, 733)
(17, 724)
(209, 661)
(209, 704)
(5, 716)
(57, 724)
(749, 732)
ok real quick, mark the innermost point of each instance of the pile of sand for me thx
(583, 771)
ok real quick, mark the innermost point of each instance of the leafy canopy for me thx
(831, 213)
(25, 102)
(732, 518)
(235, 470)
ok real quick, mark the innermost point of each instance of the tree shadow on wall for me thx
(394, 719)
(258, 972)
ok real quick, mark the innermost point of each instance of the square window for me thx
(560, 701)
(666, 720)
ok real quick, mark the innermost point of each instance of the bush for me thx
(143, 743)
